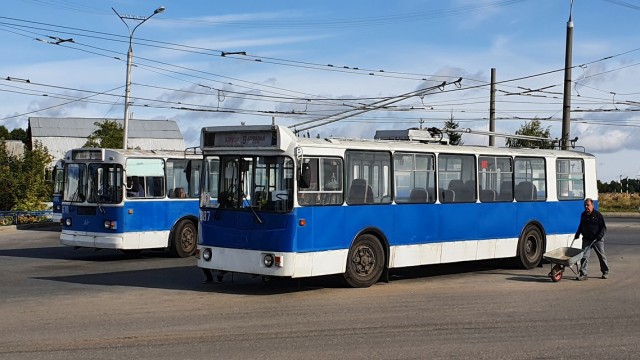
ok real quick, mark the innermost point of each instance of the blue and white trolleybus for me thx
(131, 199)
(301, 207)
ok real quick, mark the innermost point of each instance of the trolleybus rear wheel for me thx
(365, 262)
(530, 247)
(184, 239)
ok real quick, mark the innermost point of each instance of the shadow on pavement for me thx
(189, 278)
(84, 254)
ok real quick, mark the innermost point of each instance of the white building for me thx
(62, 134)
(14, 148)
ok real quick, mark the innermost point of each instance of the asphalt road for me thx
(61, 303)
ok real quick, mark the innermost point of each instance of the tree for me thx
(19, 134)
(455, 138)
(22, 179)
(532, 128)
(109, 134)
(4, 133)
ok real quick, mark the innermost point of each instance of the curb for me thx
(621, 214)
(49, 226)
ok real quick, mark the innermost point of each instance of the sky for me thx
(302, 63)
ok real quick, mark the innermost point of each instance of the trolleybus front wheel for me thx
(365, 262)
(184, 239)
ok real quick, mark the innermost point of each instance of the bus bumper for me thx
(92, 240)
(284, 264)
(122, 241)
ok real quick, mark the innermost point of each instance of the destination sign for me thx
(86, 154)
(240, 139)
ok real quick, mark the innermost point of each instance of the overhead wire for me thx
(485, 84)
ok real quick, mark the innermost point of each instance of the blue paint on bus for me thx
(132, 216)
(335, 227)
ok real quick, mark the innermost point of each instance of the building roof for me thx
(83, 127)
(59, 135)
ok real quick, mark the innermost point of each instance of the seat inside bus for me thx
(418, 195)
(526, 191)
(360, 192)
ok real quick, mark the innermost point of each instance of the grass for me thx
(618, 202)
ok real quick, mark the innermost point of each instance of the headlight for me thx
(67, 221)
(206, 254)
(108, 224)
(268, 260)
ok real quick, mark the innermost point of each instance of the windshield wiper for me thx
(76, 195)
(96, 196)
(225, 199)
(253, 211)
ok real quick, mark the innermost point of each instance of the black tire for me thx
(530, 247)
(556, 273)
(365, 262)
(185, 239)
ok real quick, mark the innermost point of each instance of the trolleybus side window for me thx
(415, 177)
(570, 179)
(457, 178)
(368, 177)
(145, 178)
(495, 176)
(183, 178)
(530, 179)
(210, 181)
(325, 185)
(194, 171)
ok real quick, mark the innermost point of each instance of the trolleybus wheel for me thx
(556, 273)
(530, 247)
(365, 262)
(184, 239)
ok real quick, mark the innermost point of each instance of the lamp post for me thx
(141, 20)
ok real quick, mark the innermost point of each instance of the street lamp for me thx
(141, 20)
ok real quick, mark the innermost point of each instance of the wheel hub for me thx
(364, 260)
(187, 239)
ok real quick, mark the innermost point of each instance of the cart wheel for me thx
(556, 273)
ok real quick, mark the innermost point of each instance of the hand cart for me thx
(564, 257)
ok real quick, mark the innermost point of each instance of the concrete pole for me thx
(566, 103)
(127, 91)
(492, 108)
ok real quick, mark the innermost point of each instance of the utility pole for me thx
(566, 103)
(492, 108)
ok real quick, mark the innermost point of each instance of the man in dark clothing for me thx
(592, 228)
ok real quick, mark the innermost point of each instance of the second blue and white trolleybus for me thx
(131, 199)
(301, 207)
